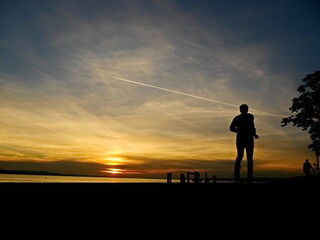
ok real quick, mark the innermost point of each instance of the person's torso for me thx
(245, 125)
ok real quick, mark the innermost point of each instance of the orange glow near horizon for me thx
(124, 172)
(114, 160)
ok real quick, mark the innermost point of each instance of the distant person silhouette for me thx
(307, 167)
(243, 125)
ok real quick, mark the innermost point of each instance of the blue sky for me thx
(61, 104)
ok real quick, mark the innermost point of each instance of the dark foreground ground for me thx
(168, 204)
(222, 184)
(165, 191)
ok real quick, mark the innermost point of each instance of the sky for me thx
(141, 88)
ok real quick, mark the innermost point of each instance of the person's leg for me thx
(237, 165)
(249, 152)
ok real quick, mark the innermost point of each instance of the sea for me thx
(22, 178)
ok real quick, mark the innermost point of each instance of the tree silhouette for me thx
(306, 111)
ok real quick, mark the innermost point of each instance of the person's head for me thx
(307, 160)
(244, 108)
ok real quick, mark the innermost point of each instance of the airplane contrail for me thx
(174, 91)
(189, 95)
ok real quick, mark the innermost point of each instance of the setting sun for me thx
(113, 171)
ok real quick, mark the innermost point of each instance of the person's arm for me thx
(254, 129)
(233, 126)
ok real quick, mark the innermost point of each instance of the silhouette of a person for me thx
(307, 167)
(243, 125)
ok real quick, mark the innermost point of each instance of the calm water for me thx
(72, 179)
